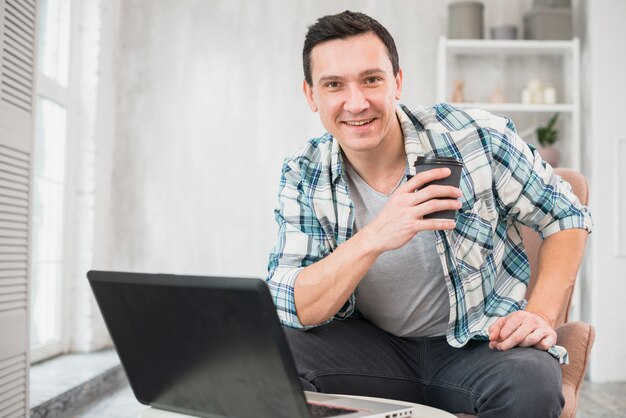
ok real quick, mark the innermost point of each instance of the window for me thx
(49, 191)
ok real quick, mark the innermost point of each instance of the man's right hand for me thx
(403, 215)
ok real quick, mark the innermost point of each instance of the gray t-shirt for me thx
(404, 292)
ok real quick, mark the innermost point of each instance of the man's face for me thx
(355, 91)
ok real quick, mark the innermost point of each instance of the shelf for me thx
(480, 64)
(508, 47)
(518, 107)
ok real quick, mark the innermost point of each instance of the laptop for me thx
(212, 347)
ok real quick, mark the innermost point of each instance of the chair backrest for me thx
(532, 241)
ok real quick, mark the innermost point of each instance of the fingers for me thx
(513, 322)
(435, 191)
(523, 329)
(420, 179)
(515, 338)
(547, 342)
(433, 198)
(434, 225)
(541, 338)
(436, 205)
(430, 199)
(494, 332)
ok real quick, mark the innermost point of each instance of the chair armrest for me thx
(577, 338)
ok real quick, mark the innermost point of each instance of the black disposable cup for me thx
(454, 179)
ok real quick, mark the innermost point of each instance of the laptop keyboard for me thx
(322, 411)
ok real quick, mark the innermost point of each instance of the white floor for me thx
(596, 401)
(606, 400)
(120, 404)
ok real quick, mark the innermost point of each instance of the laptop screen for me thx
(200, 345)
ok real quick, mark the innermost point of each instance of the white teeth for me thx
(359, 123)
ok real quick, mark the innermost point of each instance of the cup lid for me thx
(438, 161)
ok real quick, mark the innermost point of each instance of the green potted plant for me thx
(546, 137)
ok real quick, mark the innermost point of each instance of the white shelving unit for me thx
(484, 64)
(511, 63)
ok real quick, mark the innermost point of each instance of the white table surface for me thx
(419, 411)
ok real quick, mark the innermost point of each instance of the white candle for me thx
(536, 90)
(549, 95)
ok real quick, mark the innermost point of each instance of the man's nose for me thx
(356, 100)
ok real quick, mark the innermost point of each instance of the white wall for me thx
(94, 45)
(605, 91)
(208, 104)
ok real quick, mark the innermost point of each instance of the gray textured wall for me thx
(208, 103)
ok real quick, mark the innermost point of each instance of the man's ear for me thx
(308, 93)
(399, 84)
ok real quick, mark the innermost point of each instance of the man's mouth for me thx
(358, 122)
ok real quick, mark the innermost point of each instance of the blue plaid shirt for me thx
(504, 181)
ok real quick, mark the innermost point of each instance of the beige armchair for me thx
(576, 337)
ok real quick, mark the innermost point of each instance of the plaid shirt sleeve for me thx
(529, 191)
(300, 243)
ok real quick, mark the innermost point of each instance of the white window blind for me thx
(17, 63)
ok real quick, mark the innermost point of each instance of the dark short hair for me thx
(341, 26)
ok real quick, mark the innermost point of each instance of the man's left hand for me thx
(523, 329)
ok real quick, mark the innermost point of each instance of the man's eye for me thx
(332, 84)
(372, 80)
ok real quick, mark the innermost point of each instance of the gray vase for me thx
(465, 20)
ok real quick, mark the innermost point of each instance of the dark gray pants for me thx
(355, 357)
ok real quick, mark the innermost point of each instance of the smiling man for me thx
(398, 306)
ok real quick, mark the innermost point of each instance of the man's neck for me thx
(382, 167)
